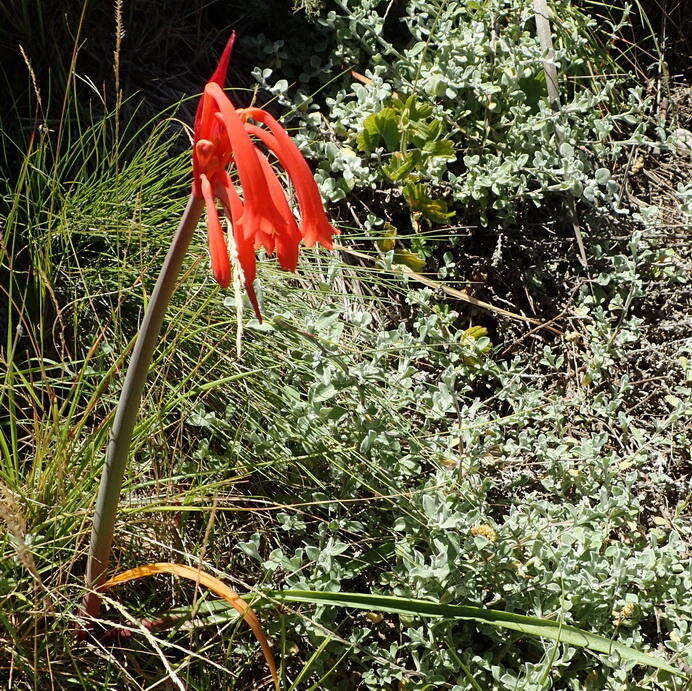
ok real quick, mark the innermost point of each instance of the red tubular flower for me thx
(263, 217)
(218, 252)
(261, 214)
(214, 154)
(233, 206)
(314, 225)
(211, 154)
(286, 243)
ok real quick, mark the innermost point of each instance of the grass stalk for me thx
(128, 407)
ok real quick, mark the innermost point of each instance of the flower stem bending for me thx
(128, 407)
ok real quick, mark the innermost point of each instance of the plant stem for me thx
(128, 407)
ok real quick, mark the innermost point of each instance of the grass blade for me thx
(533, 626)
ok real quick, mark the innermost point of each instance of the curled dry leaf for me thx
(216, 586)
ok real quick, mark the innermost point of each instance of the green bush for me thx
(477, 69)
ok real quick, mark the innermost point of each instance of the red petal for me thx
(219, 76)
(246, 251)
(261, 215)
(203, 120)
(218, 252)
(314, 226)
(244, 246)
(248, 263)
(206, 126)
(287, 241)
(232, 203)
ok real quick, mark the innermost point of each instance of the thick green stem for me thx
(128, 407)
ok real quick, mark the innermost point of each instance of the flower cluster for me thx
(260, 216)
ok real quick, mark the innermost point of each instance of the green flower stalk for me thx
(128, 407)
(258, 214)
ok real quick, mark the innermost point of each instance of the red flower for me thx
(314, 225)
(211, 152)
(263, 217)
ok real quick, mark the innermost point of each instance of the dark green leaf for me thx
(418, 198)
(399, 166)
(380, 129)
